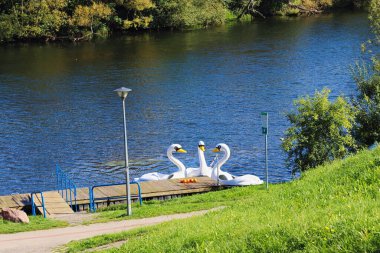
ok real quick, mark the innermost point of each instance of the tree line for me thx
(75, 20)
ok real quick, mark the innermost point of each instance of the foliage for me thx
(84, 19)
(33, 19)
(190, 13)
(238, 6)
(367, 103)
(317, 4)
(319, 132)
(374, 17)
(333, 208)
(91, 18)
(135, 14)
(138, 22)
(36, 223)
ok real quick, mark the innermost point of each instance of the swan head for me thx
(221, 147)
(176, 148)
(201, 146)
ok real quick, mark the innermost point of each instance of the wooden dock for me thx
(54, 204)
(108, 195)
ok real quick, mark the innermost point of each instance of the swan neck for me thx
(224, 159)
(217, 169)
(202, 160)
(178, 163)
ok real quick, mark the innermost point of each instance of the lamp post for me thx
(123, 93)
(264, 128)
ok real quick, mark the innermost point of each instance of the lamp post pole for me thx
(264, 116)
(123, 92)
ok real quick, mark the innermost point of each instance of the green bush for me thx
(367, 103)
(320, 131)
(183, 14)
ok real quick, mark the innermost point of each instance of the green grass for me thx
(179, 205)
(334, 208)
(36, 223)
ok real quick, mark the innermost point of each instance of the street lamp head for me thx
(264, 122)
(122, 92)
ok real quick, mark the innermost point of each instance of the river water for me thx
(57, 104)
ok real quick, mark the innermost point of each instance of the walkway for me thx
(45, 240)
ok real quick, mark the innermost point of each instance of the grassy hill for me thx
(333, 208)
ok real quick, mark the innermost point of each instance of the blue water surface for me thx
(57, 103)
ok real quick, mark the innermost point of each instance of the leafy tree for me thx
(241, 7)
(184, 14)
(374, 17)
(138, 13)
(367, 101)
(89, 20)
(139, 5)
(367, 104)
(33, 19)
(319, 132)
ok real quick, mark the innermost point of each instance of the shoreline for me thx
(271, 16)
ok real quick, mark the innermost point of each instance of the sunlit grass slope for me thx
(333, 208)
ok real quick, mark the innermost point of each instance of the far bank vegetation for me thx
(49, 20)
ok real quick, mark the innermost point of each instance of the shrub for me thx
(367, 103)
(184, 14)
(320, 131)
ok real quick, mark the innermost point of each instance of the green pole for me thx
(266, 159)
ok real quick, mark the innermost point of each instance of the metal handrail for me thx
(66, 187)
(213, 161)
(92, 205)
(34, 204)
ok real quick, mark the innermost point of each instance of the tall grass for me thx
(334, 208)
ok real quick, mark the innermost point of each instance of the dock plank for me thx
(54, 204)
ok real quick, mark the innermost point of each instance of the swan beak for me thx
(181, 150)
(202, 148)
(216, 150)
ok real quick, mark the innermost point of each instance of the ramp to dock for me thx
(54, 204)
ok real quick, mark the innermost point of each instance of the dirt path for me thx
(45, 240)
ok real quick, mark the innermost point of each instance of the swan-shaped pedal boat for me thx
(203, 169)
(181, 173)
(226, 178)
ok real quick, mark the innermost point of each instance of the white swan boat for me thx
(226, 178)
(203, 169)
(181, 173)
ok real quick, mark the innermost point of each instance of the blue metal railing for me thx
(92, 205)
(34, 204)
(66, 188)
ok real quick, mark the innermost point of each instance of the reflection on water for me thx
(57, 103)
